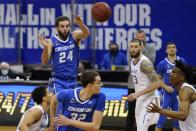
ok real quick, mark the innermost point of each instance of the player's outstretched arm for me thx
(46, 53)
(87, 126)
(31, 118)
(83, 33)
(185, 97)
(148, 68)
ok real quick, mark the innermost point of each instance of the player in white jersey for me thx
(36, 118)
(145, 81)
(187, 97)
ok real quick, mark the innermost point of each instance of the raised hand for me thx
(78, 20)
(43, 40)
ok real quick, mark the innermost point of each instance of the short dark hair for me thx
(113, 43)
(88, 77)
(185, 69)
(137, 41)
(38, 94)
(171, 43)
(141, 31)
(61, 18)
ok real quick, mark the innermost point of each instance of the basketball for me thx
(101, 12)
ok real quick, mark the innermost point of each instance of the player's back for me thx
(140, 79)
(39, 125)
(64, 58)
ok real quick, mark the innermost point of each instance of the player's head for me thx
(41, 94)
(180, 73)
(91, 80)
(171, 49)
(63, 26)
(113, 47)
(135, 48)
(4, 67)
(141, 35)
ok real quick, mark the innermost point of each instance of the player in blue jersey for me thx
(82, 108)
(170, 100)
(62, 50)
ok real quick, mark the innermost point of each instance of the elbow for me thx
(22, 126)
(87, 34)
(44, 61)
(94, 128)
(183, 118)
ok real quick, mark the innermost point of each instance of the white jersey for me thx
(190, 123)
(41, 124)
(140, 80)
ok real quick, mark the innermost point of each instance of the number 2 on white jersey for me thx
(62, 56)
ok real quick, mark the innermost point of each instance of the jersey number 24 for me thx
(63, 56)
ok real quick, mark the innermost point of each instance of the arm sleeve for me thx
(100, 106)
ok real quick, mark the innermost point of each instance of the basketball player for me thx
(170, 100)
(82, 108)
(36, 118)
(149, 50)
(144, 76)
(63, 51)
(179, 77)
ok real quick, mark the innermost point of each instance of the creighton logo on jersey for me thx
(65, 57)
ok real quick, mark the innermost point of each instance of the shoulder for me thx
(100, 96)
(161, 63)
(35, 112)
(146, 66)
(65, 92)
(183, 60)
(186, 92)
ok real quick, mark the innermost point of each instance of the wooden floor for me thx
(7, 128)
(13, 128)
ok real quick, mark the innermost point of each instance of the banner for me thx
(163, 21)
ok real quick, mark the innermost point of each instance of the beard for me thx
(63, 35)
(135, 55)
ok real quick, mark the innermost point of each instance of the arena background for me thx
(163, 21)
(21, 21)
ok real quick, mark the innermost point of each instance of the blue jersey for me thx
(64, 58)
(169, 99)
(74, 108)
(164, 68)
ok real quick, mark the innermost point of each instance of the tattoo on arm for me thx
(148, 69)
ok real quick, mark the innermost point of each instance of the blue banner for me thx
(163, 21)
